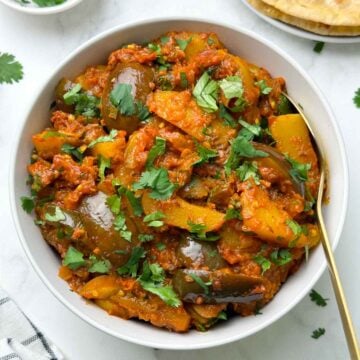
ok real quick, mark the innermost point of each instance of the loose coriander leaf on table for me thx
(10, 70)
(317, 333)
(356, 98)
(27, 203)
(73, 258)
(317, 298)
(319, 46)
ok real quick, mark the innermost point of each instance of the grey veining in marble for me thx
(39, 43)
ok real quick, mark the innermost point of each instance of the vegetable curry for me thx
(176, 182)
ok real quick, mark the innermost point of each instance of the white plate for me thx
(36, 10)
(303, 33)
(257, 50)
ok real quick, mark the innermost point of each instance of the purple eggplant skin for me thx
(216, 287)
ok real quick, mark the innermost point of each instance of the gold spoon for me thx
(348, 326)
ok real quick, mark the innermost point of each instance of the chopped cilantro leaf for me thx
(143, 112)
(205, 154)
(317, 333)
(85, 103)
(120, 226)
(10, 70)
(160, 246)
(249, 131)
(135, 203)
(157, 150)
(201, 283)
(104, 164)
(73, 258)
(356, 98)
(114, 204)
(73, 151)
(121, 97)
(183, 43)
(152, 280)
(154, 48)
(154, 219)
(206, 93)
(145, 237)
(226, 116)
(198, 229)
(158, 181)
(317, 298)
(319, 46)
(132, 265)
(284, 106)
(57, 216)
(232, 213)
(183, 80)
(296, 229)
(164, 40)
(264, 89)
(263, 262)
(107, 138)
(280, 256)
(232, 87)
(27, 203)
(248, 170)
(298, 171)
(99, 266)
(222, 315)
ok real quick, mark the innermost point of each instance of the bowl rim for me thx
(41, 10)
(155, 343)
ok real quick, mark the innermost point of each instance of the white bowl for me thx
(301, 88)
(36, 10)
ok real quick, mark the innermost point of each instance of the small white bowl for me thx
(255, 49)
(36, 10)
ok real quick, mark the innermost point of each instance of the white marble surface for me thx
(39, 43)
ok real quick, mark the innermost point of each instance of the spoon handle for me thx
(348, 326)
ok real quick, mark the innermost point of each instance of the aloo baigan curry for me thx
(176, 183)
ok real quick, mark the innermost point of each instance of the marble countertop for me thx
(40, 43)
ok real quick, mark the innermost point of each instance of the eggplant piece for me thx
(139, 77)
(277, 159)
(222, 287)
(201, 253)
(94, 216)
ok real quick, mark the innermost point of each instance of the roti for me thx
(329, 12)
(312, 26)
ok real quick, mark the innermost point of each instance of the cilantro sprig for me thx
(317, 298)
(153, 280)
(205, 154)
(10, 69)
(85, 103)
(132, 265)
(157, 150)
(298, 171)
(158, 181)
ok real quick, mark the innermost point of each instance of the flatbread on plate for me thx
(329, 12)
(312, 26)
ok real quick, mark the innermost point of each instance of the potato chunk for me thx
(180, 213)
(269, 221)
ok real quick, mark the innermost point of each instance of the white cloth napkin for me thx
(19, 338)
